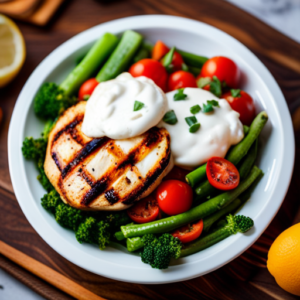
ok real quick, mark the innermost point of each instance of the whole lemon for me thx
(284, 260)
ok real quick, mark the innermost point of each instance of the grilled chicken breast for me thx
(101, 173)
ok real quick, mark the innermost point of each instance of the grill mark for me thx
(111, 196)
(148, 182)
(56, 160)
(84, 152)
(150, 179)
(97, 189)
(153, 136)
(69, 128)
(87, 178)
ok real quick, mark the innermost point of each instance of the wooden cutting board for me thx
(244, 278)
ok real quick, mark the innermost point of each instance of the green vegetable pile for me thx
(154, 240)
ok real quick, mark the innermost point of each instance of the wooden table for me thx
(244, 278)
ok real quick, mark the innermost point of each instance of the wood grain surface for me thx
(244, 278)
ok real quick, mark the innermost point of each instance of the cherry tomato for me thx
(189, 232)
(174, 197)
(224, 68)
(243, 104)
(87, 88)
(159, 50)
(222, 174)
(152, 69)
(144, 211)
(176, 63)
(181, 79)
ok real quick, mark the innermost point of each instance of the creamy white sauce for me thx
(109, 111)
(219, 129)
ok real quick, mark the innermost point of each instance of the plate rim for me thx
(174, 273)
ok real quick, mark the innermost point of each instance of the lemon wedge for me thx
(12, 50)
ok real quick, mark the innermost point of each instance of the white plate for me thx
(276, 152)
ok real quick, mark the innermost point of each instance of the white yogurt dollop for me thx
(109, 111)
(219, 129)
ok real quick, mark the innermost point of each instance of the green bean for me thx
(121, 57)
(207, 241)
(246, 195)
(119, 236)
(237, 153)
(134, 244)
(90, 63)
(210, 220)
(241, 149)
(249, 160)
(192, 59)
(194, 70)
(141, 54)
(201, 211)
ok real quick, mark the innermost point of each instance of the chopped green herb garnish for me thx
(170, 118)
(167, 59)
(180, 95)
(86, 97)
(213, 103)
(184, 67)
(203, 81)
(235, 93)
(194, 128)
(138, 105)
(191, 120)
(195, 109)
(207, 108)
(215, 87)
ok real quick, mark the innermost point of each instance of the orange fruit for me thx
(284, 260)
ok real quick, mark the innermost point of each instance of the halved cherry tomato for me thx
(174, 197)
(87, 89)
(224, 68)
(152, 69)
(189, 232)
(243, 103)
(222, 174)
(144, 211)
(181, 79)
(159, 50)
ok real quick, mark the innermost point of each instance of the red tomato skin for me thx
(224, 68)
(181, 79)
(152, 69)
(244, 105)
(174, 197)
(87, 88)
(134, 212)
(189, 236)
(215, 175)
(177, 62)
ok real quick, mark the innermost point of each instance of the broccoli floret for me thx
(51, 200)
(93, 232)
(51, 101)
(158, 251)
(239, 223)
(68, 216)
(104, 234)
(34, 148)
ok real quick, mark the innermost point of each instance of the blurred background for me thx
(283, 15)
